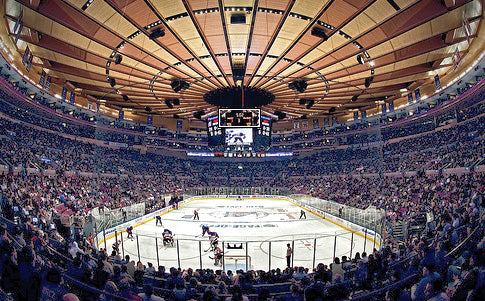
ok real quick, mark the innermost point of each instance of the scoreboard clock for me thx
(240, 118)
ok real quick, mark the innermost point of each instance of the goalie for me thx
(167, 238)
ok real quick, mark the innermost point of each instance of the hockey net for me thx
(237, 262)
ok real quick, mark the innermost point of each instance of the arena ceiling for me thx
(129, 53)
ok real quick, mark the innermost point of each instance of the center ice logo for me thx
(240, 214)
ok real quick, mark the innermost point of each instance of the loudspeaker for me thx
(238, 73)
(157, 33)
(368, 81)
(176, 101)
(169, 104)
(198, 114)
(299, 85)
(310, 103)
(178, 85)
(354, 98)
(302, 101)
(360, 59)
(319, 33)
(281, 115)
(112, 82)
(238, 19)
(148, 109)
(118, 59)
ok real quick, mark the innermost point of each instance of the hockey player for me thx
(302, 214)
(205, 229)
(158, 220)
(214, 240)
(218, 254)
(196, 214)
(167, 237)
(129, 231)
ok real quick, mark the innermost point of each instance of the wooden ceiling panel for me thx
(196, 47)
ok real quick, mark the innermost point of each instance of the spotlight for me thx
(112, 82)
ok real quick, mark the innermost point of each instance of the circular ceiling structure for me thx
(301, 57)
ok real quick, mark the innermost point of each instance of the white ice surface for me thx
(256, 222)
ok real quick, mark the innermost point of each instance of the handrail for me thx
(467, 239)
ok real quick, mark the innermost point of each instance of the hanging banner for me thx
(410, 98)
(437, 82)
(383, 109)
(18, 33)
(326, 121)
(48, 83)
(356, 115)
(121, 115)
(97, 107)
(64, 93)
(417, 93)
(19, 20)
(391, 106)
(304, 125)
(26, 55)
(150, 120)
(467, 29)
(364, 115)
(296, 125)
(42, 78)
(315, 123)
(29, 62)
(72, 99)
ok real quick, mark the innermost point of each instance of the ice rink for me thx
(261, 226)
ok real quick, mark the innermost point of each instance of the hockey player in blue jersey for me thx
(205, 229)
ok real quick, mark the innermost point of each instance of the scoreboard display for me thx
(240, 118)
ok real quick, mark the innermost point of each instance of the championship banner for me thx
(417, 93)
(150, 120)
(456, 58)
(410, 98)
(26, 55)
(296, 125)
(64, 93)
(315, 123)
(42, 78)
(121, 115)
(48, 83)
(304, 125)
(29, 62)
(326, 121)
(18, 33)
(364, 115)
(19, 20)
(97, 107)
(467, 29)
(391, 106)
(437, 82)
(356, 115)
(72, 100)
(179, 125)
(383, 109)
